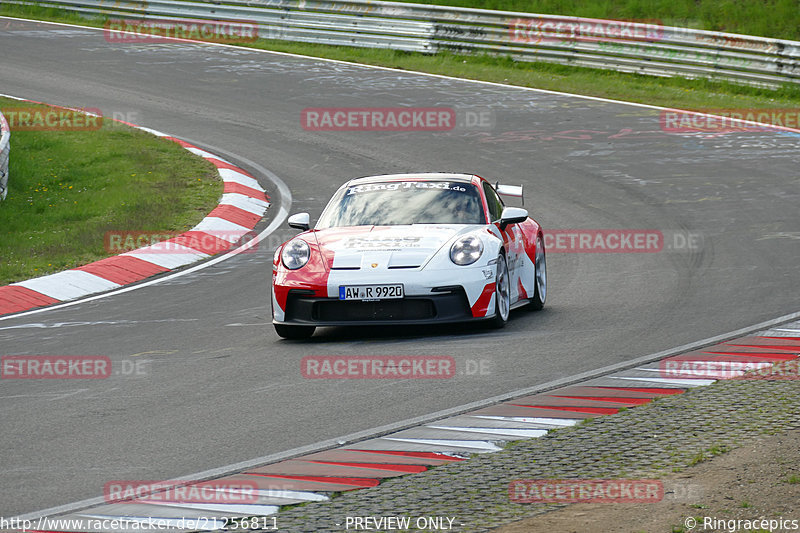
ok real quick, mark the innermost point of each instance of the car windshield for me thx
(395, 203)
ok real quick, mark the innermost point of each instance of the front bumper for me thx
(448, 304)
(432, 295)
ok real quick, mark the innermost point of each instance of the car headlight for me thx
(466, 250)
(295, 254)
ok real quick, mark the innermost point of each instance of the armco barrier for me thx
(5, 150)
(626, 46)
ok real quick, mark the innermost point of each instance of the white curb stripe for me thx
(741, 365)
(205, 155)
(524, 433)
(169, 261)
(154, 132)
(237, 177)
(221, 228)
(252, 509)
(292, 495)
(244, 202)
(468, 444)
(679, 382)
(68, 284)
(555, 422)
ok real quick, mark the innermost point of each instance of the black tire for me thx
(539, 278)
(294, 332)
(502, 294)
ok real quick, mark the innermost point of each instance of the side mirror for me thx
(512, 215)
(299, 221)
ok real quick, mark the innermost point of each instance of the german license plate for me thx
(370, 292)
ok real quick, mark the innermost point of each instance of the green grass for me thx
(669, 92)
(68, 188)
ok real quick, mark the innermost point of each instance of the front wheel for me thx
(294, 332)
(502, 294)
(540, 277)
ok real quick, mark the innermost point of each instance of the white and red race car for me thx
(409, 249)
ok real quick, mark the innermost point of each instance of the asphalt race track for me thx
(216, 385)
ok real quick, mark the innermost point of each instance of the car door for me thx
(512, 241)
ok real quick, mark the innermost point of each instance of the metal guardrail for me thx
(637, 47)
(5, 152)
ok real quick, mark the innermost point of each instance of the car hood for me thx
(383, 247)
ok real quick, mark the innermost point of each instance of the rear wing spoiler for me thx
(510, 190)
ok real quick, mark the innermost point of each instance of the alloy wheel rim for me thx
(541, 271)
(503, 301)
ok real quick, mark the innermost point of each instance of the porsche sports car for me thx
(409, 249)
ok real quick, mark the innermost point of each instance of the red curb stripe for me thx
(351, 481)
(730, 358)
(224, 164)
(377, 466)
(794, 347)
(593, 410)
(181, 142)
(14, 298)
(782, 356)
(652, 390)
(236, 215)
(202, 242)
(617, 399)
(420, 455)
(122, 269)
(233, 187)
